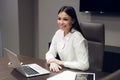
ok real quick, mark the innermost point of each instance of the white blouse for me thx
(72, 49)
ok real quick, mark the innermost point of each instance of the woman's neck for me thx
(66, 32)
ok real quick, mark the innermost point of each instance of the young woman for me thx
(68, 42)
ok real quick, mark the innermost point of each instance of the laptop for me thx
(27, 70)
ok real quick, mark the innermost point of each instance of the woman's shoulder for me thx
(78, 36)
(59, 31)
(77, 33)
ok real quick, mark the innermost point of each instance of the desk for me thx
(8, 73)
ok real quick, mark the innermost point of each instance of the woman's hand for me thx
(55, 67)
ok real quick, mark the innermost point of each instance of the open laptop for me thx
(27, 70)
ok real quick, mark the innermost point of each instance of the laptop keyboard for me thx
(29, 70)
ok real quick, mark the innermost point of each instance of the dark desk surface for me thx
(8, 73)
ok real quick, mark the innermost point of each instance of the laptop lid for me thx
(14, 62)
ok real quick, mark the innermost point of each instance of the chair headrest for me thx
(93, 31)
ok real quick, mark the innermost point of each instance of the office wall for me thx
(17, 26)
(112, 28)
(9, 24)
(26, 27)
(1, 45)
(47, 25)
(0, 31)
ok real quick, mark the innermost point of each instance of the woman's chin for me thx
(62, 29)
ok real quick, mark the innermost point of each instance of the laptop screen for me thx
(14, 62)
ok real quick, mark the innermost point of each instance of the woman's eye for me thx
(59, 18)
(65, 19)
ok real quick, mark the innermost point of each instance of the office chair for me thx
(113, 76)
(94, 33)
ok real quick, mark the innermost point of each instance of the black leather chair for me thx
(95, 34)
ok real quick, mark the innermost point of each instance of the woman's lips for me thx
(63, 26)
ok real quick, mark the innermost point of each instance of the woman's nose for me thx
(61, 21)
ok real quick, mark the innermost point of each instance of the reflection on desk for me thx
(85, 76)
(8, 73)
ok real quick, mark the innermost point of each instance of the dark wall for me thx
(26, 26)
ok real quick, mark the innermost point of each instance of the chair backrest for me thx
(95, 34)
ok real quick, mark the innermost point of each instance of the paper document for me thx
(65, 75)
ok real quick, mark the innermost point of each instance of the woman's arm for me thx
(51, 54)
(81, 52)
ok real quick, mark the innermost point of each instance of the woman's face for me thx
(64, 22)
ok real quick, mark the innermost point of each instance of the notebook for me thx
(71, 75)
(27, 70)
(65, 75)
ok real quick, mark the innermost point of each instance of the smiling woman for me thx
(68, 42)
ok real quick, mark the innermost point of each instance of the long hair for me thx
(71, 12)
